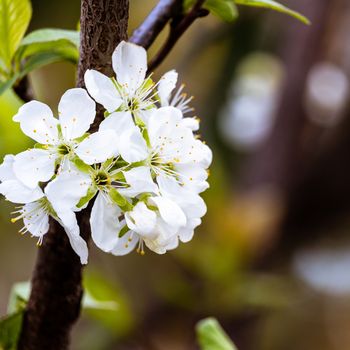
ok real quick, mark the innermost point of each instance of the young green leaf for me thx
(48, 34)
(14, 19)
(7, 84)
(224, 9)
(10, 327)
(274, 5)
(59, 54)
(211, 336)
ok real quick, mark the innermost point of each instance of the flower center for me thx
(133, 104)
(102, 179)
(64, 149)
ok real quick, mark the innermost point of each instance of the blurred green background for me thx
(272, 256)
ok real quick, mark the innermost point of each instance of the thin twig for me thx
(177, 29)
(155, 22)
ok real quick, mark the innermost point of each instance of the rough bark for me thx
(54, 303)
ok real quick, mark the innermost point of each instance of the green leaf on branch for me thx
(7, 84)
(224, 9)
(14, 19)
(273, 5)
(51, 35)
(10, 327)
(48, 40)
(211, 336)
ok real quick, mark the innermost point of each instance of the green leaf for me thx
(8, 84)
(224, 9)
(274, 5)
(14, 19)
(59, 54)
(89, 195)
(48, 40)
(211, 336)
(10, 327)
(106, 303)
(51, 35)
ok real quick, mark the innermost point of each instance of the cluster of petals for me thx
(143, 170)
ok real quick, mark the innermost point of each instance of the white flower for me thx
(13, 189)
(156, 227)
(59, 137)
(131, 90)
(36, 209)
(72, 189)
(170, 149)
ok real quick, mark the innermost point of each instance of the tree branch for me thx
(177, 29)
(155, 22)
(54, 303)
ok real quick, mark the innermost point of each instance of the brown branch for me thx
(54, 303)
(155, 22)
(177, 29)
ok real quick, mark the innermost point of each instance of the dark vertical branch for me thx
(54, 303)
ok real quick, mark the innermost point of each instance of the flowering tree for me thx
(121, 163)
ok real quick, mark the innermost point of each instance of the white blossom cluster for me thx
(144, 167)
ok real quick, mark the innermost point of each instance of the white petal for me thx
(193, 177)
(34, 166)
(141, 220)
(120, 122)
(163, 122)
(126, 244)
(191, 123)
(132, 146)
(130, 64)
(16, 192)
(98, 147)
(140, 181)
(104, 222)
(6, 168)
(190, 202)
(70, 225)
(102, 89)
(186, 233)
(37, 121)
(76, 113)
(36, 221)
(170, 211)
(166, 85)
(65, 191)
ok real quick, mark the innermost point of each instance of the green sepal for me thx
(87, 198)
(123, 231)
(119, 199)
(85, 168)
(40, 146)
(82, 138)
(146, 137)
(139, 122)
